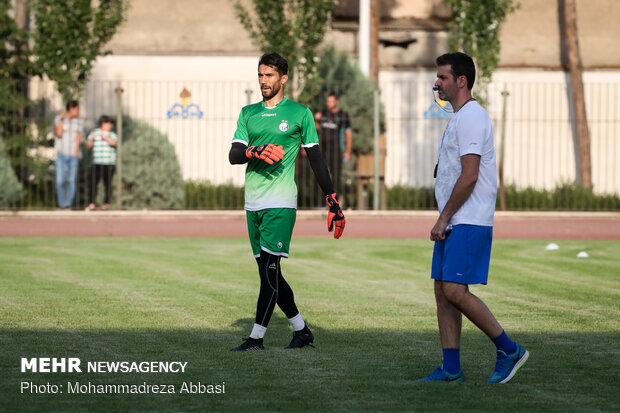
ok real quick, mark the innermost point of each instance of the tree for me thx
(355, 93)
(10, 188)
(475, 30)
(15, 67)
(69, 36)
(571, 61)
(295, 30)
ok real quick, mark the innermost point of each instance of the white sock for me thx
(297, 322)
(258, 331)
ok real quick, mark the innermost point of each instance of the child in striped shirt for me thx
(103, 141)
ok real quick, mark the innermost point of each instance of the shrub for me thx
(402, 197)
(151, 171)
(568, 197)
(10, 187)
(205, 195)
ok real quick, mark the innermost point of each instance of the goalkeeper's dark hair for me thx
(461, 65)
(276, 61)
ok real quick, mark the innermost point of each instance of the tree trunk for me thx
(21, 20)
(21, 13)
(572, 63)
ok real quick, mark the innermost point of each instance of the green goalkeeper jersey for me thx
(289, 124)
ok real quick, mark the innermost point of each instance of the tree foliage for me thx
(14, 62)
(355, 93)
(68, 37)
(10, 188)
(15, 67)
(475, 30)
(295, 30)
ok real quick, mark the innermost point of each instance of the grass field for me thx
(368, 301)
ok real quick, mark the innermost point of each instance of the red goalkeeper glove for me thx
(335, 217)
(269, 153)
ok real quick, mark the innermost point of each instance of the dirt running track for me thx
(416, 224)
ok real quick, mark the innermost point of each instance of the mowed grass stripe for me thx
(370, 303)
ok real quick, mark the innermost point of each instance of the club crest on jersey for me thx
(283, 126)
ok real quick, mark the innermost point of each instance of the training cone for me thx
(583, 254)
(552, 247)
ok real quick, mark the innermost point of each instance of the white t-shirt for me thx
(70, 129)
(468, 132)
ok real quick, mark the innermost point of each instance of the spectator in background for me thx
(68, 136)
(103, 141)
(336, 138)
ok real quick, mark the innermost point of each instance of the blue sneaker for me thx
(506, 366)
(441, 375)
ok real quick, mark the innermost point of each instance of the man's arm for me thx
(58, 125)
(269, 153)
(335, 217)
(319, 167)
(236, 156)
(317, 120)
(90, 140)
(78, 141)
(348, 133)
(465, 184)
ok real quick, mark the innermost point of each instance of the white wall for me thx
(539, 144)
(539, 140)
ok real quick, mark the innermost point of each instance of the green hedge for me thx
(204, 195)
(10, 187)
(207, 196)
(566, 197)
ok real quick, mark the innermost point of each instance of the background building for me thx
(199, 47)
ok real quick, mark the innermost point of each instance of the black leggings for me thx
(98, 172)
(273, 290)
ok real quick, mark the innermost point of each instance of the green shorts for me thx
(270, 230)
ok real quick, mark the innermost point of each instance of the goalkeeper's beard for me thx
(271, 92)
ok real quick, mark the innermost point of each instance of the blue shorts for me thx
(464, 256)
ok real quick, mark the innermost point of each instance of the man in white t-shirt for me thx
(466, 190)
(68, 136)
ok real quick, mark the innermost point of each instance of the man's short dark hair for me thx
(334, 94)
(72, 104)
(105, 119)
(276, 61)
(461, 64)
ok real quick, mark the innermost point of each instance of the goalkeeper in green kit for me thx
(268, 137)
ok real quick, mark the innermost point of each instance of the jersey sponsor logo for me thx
(283, 126)
(264, 115)
(329, 125)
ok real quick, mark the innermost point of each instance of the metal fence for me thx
(199, 119)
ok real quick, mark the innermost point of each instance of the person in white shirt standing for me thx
(466, 190)
(103, 141)
(68, 136)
